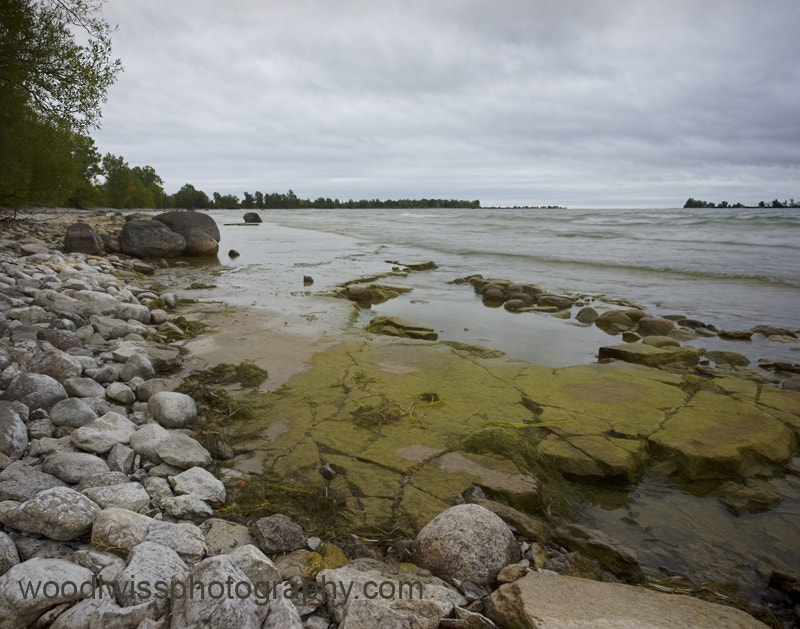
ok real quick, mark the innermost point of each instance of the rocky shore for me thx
(116, 512)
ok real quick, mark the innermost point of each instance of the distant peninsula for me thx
(696, 203)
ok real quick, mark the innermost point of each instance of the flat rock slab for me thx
(402, 428)
(559, 602)
(641, 354)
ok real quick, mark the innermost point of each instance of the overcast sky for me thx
(585, 103)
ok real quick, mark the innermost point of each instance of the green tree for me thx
(87, 164)
(190, 198)
(119, 183)
(51, 89)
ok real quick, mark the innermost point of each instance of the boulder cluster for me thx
(166, 235)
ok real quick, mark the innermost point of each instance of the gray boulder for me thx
(277, 534)
(466, 543)
(81, 238)
(20, 482)
(9, 555)
(239, 611)
(201, 484)
(56, 364)
(182, 451)
(73, 467)
(103, 433)
(184, 538)
(252, 217)
(199, 230)
(73, 412)
(19, 610)
(172, 409)
(416, 599)
(13, 432)
(138, 366)
(130, 496)
(150, 563)
(35, 390)
(150, 239)
(59, 513)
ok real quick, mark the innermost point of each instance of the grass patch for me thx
(370, 417)
(318, 511)
(189, 328)
(560, 498)
(216, 407)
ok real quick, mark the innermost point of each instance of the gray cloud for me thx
(578, 102)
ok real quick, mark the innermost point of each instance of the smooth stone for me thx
(661, 341)
(59, 513)
(73, 467)
(17, 610)
(72, 412)
(150, 563)
(146, 438)
(119, 528)
(201, 484)
(137, 366)
(225, 613)
(427, 602)
(613, 322)
(9, 555)
(20, 482)
(120, 458)
(650, 356)
(655, 326)
(56, 364)
(256, 565)
(172, 409)
(148, 388)
(184, 538)
(35, 390)
(609, 552)
(182, 451)
(130, 496)
(734, 359)
(104, 433)
(587, 314)
(466, 543)
(187, 508)
(13, 432)
(119, 392)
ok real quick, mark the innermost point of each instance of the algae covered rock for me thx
(396, 326)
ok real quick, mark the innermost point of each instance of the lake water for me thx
(735, 268)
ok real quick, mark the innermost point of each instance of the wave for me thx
(531, 260)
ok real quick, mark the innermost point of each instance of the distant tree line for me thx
(695, 203)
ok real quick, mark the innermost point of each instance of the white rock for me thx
(104, 433)
(466, 543)
(131, 496)
(172, 409)
(59, 513)
(17, 610)
(201, 484)
(119, 392)
(182, 451)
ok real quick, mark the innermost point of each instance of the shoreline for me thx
(239, 329)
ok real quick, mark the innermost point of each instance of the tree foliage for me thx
(51, 91)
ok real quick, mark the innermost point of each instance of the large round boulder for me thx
(252, 217)
(35, 390)
(466, 543)
(199, 230)
(146, 238)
